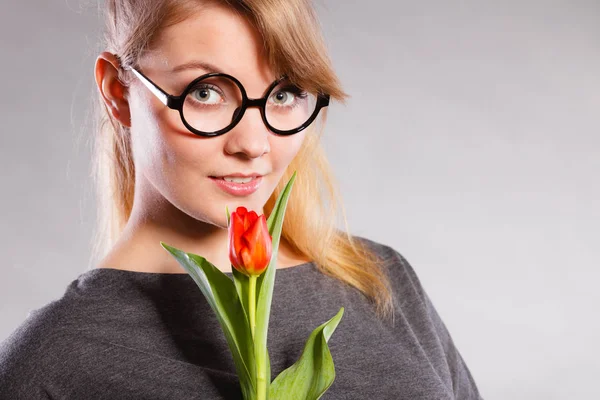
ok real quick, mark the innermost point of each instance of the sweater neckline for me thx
(120, 278)
(117, 271)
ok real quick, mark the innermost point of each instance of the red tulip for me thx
(249, 242)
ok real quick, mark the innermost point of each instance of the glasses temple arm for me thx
(153, 87)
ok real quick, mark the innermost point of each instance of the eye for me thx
(283, 98)
(206, 94)
(287, 96)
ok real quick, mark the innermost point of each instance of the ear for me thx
(111, 89)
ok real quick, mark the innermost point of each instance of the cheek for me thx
(159, 139)
(165, 152)
(146, 138)
(284, 149)
(173, 164)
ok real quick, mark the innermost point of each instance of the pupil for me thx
(280, 96)
(203, 93)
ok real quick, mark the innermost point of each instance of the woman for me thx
(173, 130)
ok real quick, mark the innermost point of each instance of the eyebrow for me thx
(206, 66)
(197, 64)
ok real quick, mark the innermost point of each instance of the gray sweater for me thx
(118, 334)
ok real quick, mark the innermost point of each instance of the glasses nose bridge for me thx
(259, 103)
(256, 102)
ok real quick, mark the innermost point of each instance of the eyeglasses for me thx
(214, 103)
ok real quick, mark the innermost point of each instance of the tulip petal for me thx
(247, 260)
(259, 244)
(241, 211)
(236, 243)
(249, 219)
(249, 242)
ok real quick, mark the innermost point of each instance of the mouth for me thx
(238, 186)
(235, 176)
(237, 179)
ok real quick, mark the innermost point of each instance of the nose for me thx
(250, 136)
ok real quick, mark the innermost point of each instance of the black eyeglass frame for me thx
(176, 103)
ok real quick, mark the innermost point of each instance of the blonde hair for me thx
(294, 46)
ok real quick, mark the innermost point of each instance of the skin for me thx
(175, 201)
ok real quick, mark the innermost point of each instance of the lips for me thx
(238, 175)
(238, 189)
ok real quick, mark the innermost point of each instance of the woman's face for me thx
(174, 164)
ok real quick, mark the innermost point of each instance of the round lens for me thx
(210, 104)
(288, 106)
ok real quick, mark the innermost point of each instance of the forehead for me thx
(218, 36)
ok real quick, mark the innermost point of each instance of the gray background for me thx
(471, 145)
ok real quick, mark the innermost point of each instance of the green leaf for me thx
(268, 369)
(222, 296)
(241, 282)
(264, 285)
(310, 376)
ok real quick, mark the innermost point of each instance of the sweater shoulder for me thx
(28, 355)
(399, 270)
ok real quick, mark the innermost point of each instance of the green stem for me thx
(252, 303)
(261, 390)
